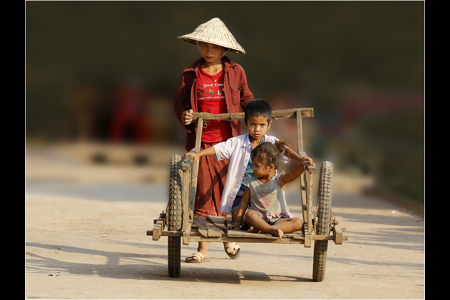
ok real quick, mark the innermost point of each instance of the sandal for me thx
(196, 257)
(230, 247)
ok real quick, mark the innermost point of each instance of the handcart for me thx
(178, 223)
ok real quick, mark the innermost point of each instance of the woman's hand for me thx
(186, 117)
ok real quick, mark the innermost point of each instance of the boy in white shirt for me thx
(258, 118)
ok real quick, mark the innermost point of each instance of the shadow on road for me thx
(122, 265)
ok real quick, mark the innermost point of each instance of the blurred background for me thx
(105, 73)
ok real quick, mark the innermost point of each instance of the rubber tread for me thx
(174, 217)
(324, 220)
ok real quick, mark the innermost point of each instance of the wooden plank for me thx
(322, 237)
(185, 191)
(308, 193)
(203, 231)
(237, 233)
(280, 114)
(228, 220)
(156, 233)
(193, 189)
(298, 232)
(338, 235)
(157, 229)
(156, 220)
(194, 232)
(167, 233)
(185, 181)
(200, 224)
(245, 240)
(193, 177)
(305, 214)
(213, 231)
(187, 165)
(218, 222)
(224, 237)
(198, 221)
(207, 229)
(198, 138)
(297, 235)
(299, 133)
(307, 241)
(306, 227)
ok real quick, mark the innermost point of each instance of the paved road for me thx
(86, 239)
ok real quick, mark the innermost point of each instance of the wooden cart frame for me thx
(319, 227)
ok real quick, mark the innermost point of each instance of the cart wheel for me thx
(174, 216)
(324, 220)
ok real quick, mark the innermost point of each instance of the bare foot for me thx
(253, 230)
(277, 232)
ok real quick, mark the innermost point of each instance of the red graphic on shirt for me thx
(211, 99)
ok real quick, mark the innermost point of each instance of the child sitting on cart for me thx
(265, 192)
(258, 119)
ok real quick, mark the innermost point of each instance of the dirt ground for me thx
(86, 238)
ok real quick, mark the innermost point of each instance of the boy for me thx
(258, 119)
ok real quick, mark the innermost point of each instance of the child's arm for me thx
(286, 178)
(241, 209)
(204, 152)
(222, 150)
(289, 153)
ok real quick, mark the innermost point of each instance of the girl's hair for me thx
(270, 153)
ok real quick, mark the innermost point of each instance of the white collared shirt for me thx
(237, 150)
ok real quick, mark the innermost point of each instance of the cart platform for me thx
(214, 229)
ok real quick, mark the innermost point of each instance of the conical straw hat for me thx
(214, 32)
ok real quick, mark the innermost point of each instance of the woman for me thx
(213, 84)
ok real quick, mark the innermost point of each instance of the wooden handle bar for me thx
(280, 114)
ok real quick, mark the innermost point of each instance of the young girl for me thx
(265, 192)
(212, 84)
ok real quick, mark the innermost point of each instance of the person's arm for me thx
(241, 209)
(245, 94)
(289, 153)
(181, 104)
(204, 152)
(286, 178)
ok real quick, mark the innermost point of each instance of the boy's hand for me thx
(186, 117)
(235, 224)
(306, 159)
(307, 162)
(195, 156)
